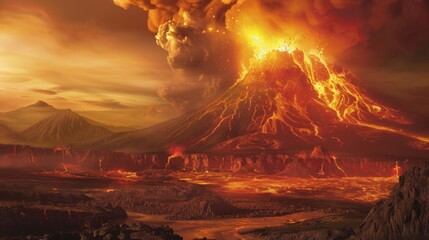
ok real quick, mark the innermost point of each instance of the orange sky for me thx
(64, 54)
(90, 55)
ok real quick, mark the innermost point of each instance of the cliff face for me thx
(317, 163)
(405, 214)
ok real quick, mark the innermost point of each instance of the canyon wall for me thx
(316, 163)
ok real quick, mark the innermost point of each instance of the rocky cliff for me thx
(405, 214)
(315, 163)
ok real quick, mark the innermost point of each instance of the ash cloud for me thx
(375, 30)
(200, 50)
(351, 31)
(186, 46)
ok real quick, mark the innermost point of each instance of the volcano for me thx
(286, 101)
(64, 127)
(24, 117)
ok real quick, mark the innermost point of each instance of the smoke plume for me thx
(200, 49)
(203, 38)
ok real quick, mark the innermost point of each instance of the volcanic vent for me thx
(287, 100)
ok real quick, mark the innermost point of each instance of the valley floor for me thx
(195, 205)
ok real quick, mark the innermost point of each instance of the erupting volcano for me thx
(216, 119)
(287, 100)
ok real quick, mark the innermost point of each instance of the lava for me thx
(335, 88)
(174, 151)
(359, 189)
(288, 92)
(396, 169)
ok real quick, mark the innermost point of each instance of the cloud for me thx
(385, 27)
(110, 104)
(43, 55)
(201, 52)
(43, 91)
(358, 32)
(186, 46)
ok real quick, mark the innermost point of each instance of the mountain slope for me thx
(64, 127)
(8, 136)
(22, 118)
(285, 102)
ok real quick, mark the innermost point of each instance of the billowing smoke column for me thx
(209, 41)
(200, 49)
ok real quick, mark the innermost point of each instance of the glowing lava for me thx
(334, 86)
(291, 63)
(292, 100)
(292, 92)
(396, 169)
(359, 189)
(175, 151)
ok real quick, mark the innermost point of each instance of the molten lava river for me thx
(220, 205)
(357, 189)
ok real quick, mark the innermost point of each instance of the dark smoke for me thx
(202, 47)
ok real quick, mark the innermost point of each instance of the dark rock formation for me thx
(181, 201)
(207, 206)
(325, 228)
(405, 214)
(135, 231)
(112, 232)
(27, 218)
(43, 197)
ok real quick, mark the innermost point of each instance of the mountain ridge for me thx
(64, 127)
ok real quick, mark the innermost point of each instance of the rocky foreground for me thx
(108, 231)
(30, 214)
(402, 216)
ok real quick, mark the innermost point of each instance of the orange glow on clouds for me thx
(74, 66)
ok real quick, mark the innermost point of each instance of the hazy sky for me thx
(80, 54)
(91, 55)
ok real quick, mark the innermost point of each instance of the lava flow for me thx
(359, 189)
(288, 96)
(289, 99)
(289, 93)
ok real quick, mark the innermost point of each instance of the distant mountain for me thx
(8, 136)
(22, 118)
(40, 104)
(64, 127)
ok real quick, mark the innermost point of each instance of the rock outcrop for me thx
(405, 214)
(27, 218)
(137, 231)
